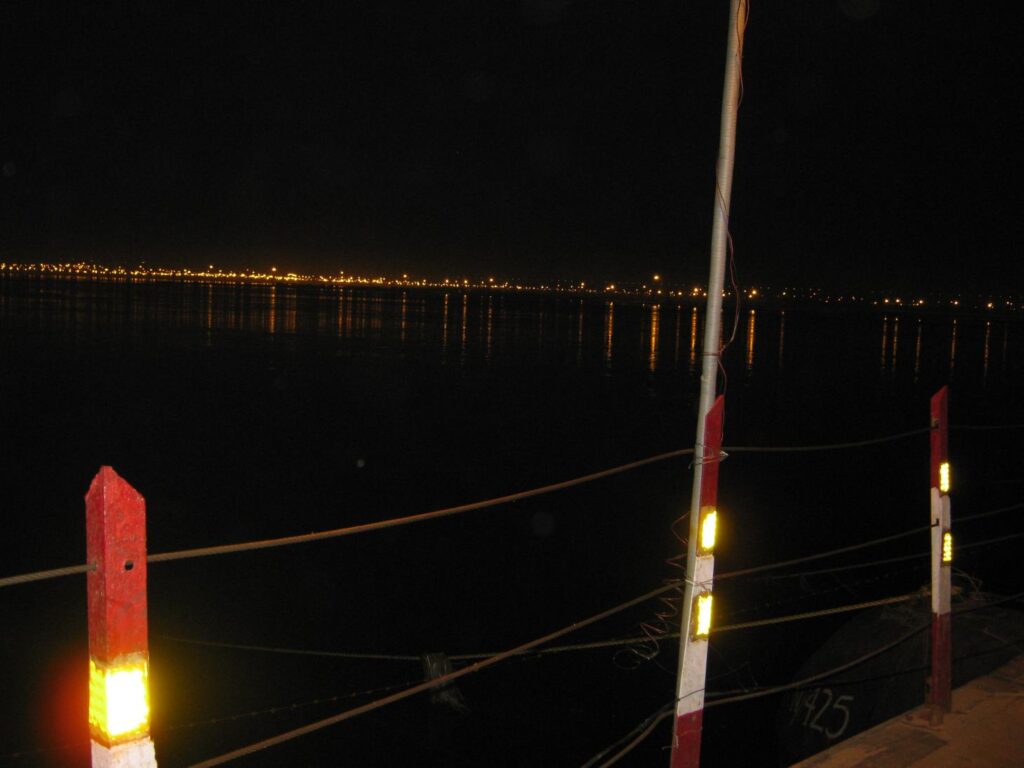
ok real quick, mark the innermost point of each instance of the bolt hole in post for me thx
(128, 565)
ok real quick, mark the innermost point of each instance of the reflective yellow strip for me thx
(708, 530)
(702, 613)
(119, 699)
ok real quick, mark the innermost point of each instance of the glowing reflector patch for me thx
(708, 529)
(119, 700)
(947, 547)
(702, 615)
(944, 477)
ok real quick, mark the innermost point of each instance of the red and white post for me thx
(700, 561)
(939, 694)
(115, 518)
(698, 600)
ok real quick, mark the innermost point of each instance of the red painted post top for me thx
(712, 450)
(940, 432)
(115, 519)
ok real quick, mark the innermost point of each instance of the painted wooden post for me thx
(698, 601)
(115, 517)
(939, 693)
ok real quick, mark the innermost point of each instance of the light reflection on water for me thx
(444, 329)
(782, 335)
(493, 328)
(272, 314)
(490, 328)
(885, 344)
(693, 339)
(209, 312)
(679, 329)
(579, 334)
(917, 352)
(890, 345)
(895, 343)
(652, 361)
(988, 334)
(751, 333)
(609, 332)
(463, 328)
(345, 389)
(403, 324)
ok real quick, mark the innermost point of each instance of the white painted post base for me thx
(134, 754)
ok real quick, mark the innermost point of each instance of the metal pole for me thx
(115, 519)
(939, 692)
(693, 652)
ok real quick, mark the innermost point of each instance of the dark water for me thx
(245, 412)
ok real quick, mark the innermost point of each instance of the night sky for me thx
(878, 140)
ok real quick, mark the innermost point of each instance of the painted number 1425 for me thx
(823, 712)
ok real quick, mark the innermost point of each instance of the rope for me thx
(816, 614)
(434, 683)
(588, 646)
(473, 506)
(860, 659)
(422, 517)
(854, 566)
(980, 515)
(651, 722)
(418, 518)
(579, 625)
(968, 608)
(820, 555)
(985, 542)
(293, 651)
(900, 558)
(985, 427)
(393, 522)
(668, 710)
(646, 728)
(158, 729)
(363, 528)
(825, 446)
(282, 708)
(24, 578)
